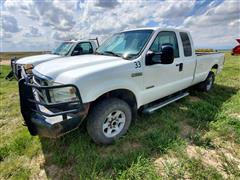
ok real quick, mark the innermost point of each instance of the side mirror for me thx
(167, 56)
(149, 58)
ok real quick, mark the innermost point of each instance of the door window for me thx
(83, 48)
(187, 48)
(165, 38)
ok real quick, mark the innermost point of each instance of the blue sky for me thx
(40, 24)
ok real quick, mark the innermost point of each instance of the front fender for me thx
(91, 94)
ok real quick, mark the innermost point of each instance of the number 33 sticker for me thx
(137, 64)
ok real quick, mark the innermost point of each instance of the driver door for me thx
(161, 80)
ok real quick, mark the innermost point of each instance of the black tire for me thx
(208, 83)
(99, 116)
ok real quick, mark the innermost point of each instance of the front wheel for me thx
(208, 83)
(109, 120)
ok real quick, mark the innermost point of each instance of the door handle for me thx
(180, 66)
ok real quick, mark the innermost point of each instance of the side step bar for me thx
(155, 107)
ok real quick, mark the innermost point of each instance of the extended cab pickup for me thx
(66, 48)
(135, 70)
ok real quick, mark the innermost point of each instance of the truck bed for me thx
(205, 61)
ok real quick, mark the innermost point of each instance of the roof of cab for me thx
(156, 29)
(77, 40)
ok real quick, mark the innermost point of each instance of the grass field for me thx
(197, 137)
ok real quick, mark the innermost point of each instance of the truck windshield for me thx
(63, 48)
(125, 44)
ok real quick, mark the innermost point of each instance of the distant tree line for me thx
(205, 50)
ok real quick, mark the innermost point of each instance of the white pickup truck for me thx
(66, 48)
(141, 69)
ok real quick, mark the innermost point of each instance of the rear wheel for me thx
(109, 120)
(208, 83)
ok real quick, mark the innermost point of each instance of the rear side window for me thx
(187, 49)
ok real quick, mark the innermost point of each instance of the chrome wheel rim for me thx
(114, 123)
(210, 82)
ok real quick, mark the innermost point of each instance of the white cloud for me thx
(33, 32)
(10, 24)
(49, 21)
(218, 27)
(107, 3)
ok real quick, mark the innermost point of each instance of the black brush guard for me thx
(37, 121)
(14, 72)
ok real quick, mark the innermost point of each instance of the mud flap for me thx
(25, 93)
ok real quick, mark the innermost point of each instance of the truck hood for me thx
(34, 60)
(76, 66)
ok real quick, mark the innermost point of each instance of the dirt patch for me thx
(106, 151)
(209, 157)
(225, 161)
(13, 96)
(235, 115)
(130, 146)
(170, 166)
(161, 162)
(183, 108)
(194, 99)
(216, 158)
(185, 129)
(5, 62)
(48, 171)
(54, 171)
(38, 172)
(43, 171)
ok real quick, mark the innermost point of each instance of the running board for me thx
(155, 107)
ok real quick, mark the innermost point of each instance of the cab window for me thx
(82, 48)
(187, 49)
(165, 38)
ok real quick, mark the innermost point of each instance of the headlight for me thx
(64, 94)
(28, 68)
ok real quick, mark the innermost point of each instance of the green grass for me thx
(209, 121)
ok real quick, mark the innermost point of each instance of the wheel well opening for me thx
(123, 94)
(214, 68)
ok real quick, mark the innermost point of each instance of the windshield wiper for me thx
(99, 53)
(112, 53)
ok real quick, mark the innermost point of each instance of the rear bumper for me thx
(59, 119)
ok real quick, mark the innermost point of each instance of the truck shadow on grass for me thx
(75, 156)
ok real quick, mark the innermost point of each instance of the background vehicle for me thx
(142, 69)
(236, 50)
(67, 48)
